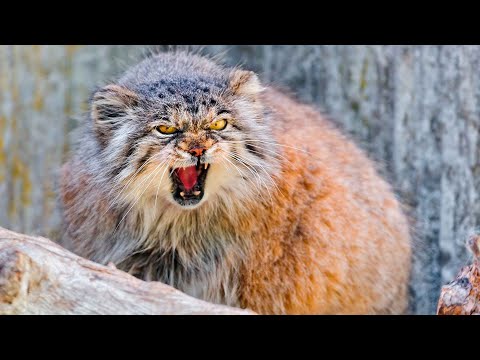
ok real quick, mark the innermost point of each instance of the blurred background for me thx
(414, 109)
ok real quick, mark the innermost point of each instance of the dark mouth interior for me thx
(189, 183)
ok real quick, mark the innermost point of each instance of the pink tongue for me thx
(188, 176)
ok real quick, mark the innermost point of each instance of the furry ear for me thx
(246, 83)
(110, 106)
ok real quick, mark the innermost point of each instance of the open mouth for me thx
(189, 183)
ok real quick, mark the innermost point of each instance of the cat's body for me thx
(296, 220)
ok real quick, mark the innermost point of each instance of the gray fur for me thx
(139, 227)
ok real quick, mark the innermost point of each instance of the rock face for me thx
(415, 109)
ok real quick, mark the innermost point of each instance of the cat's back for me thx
(318, 144)
(344, 231)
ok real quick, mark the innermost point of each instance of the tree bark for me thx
(38, 276)
(462, 296)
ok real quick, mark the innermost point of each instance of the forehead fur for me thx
(173, 66)
(168, 74)
(174, 97)
(174, 83)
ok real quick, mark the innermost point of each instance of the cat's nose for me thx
(197, 151)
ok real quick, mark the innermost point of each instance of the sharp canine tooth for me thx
(182, 194)
(196, 193)
(206, 166)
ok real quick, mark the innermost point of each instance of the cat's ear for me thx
(110, 106)
(246, 83)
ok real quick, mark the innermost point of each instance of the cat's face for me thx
(185, 141)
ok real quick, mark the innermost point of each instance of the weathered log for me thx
(462, 296)
(38, 276)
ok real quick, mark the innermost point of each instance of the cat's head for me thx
(184, 130)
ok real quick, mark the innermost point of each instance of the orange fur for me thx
(348, 251)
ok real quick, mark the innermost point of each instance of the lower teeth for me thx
(196, 193)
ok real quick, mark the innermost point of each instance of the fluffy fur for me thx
(294, 219)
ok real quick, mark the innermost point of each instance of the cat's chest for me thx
(211, 276)
(203, 267)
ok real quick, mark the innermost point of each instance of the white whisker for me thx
(154, 172)
(158, 187)
(240, 173)
(254, 173)
(120, 192)
(240, 158)
(274, 144)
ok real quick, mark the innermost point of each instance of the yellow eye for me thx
(164, 129)
(218, 125)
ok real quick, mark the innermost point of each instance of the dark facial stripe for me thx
(235, 126)
(220, 137)
(144, 158)
(254, 150)
(129, 152)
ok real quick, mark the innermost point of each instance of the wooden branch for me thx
(38, 276)
(462, 296)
